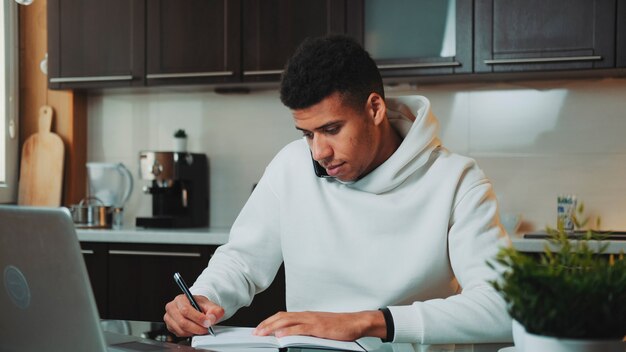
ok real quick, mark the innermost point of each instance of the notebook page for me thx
(233, 336)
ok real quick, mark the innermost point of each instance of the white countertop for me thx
(203, 235)
(538, 245)
(219, 236)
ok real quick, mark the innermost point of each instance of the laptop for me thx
(46, 301)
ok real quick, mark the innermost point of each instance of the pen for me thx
(183, 286)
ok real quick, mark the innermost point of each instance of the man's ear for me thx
(376, 108)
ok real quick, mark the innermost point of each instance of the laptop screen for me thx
(46, 299)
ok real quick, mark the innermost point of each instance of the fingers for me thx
(336, 326)
(184, 320)
(263, 329)
(212, 311)
(177, 323)
(283, 324)
(298, 329)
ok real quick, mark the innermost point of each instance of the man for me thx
(392, 244)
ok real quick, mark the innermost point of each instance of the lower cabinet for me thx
(133, 281)
(264, 304)
(140, 280)
(95, 255)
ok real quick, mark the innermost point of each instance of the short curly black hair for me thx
(322, 66)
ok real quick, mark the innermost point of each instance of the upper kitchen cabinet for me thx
(539, 35)
(273, 29)
(621, 34)
(116, 43)
(95, 43)
(193, 41)
(415, 37)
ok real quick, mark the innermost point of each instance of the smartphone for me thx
(319, 170)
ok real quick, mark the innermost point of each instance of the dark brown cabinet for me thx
(264, 304)
(168, 42)
(140, 280)
(273, 29)
(121, 43)
(621, 34)
(539, 35)
(415, 38)
(95, 256)
(193, 41)
(93, 43)
(134, 281)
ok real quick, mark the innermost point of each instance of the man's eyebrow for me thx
(328, 124)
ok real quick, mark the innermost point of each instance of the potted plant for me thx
(180, 141)
(570, 297)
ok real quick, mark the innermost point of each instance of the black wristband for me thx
(388, 324)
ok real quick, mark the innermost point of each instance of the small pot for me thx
(87, 214)
(180, 145)
(525, 342)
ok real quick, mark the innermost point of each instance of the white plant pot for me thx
(180, 145)
(527, 342)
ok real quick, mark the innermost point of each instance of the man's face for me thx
(341, 138)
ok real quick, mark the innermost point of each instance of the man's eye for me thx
(332, 130)
(307, 135)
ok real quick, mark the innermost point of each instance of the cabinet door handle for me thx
(262, 72)
(419, 65)
(188, 75)
(90, 79)
(86, 251)
(155, 253)
(538, 60)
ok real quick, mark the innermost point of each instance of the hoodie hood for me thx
(413, 119)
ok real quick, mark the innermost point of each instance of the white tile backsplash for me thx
(529, 185)
(239, 133)
(534, 140)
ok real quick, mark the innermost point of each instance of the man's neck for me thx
(389, 143)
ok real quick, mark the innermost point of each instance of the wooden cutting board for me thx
(41, 167)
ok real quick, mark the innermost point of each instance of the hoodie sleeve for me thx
(248, 263)
(478, 313)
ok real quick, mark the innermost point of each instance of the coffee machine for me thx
(179, 189)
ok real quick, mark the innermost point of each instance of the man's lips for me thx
(333, 170)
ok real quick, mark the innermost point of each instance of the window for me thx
(8, 101)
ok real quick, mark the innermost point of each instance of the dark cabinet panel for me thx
(93, 43)
(141, 277)
(264, 304)
(193, 41)
(95, 255)
(621, 34)
(538, 35)
(140, 282)
(413, 38)
(272, 30)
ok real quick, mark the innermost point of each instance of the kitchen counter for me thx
(538, 245)
(202, 236)
(219, 236)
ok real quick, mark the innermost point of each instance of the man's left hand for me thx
(335, 326)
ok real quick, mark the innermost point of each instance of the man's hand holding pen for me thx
(184, 320)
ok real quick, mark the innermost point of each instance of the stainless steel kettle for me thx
(91, 213)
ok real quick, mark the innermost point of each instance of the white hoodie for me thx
(413, 235)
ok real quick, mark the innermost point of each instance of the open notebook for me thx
(227, 337)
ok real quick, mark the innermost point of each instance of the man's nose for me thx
(320, 148)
